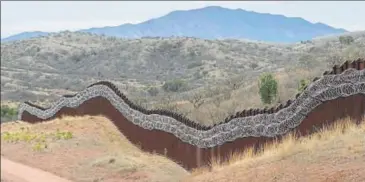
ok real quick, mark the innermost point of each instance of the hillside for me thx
(332, 155)
(100, 153)
(96, 151)
(215, 22)
(42, 69)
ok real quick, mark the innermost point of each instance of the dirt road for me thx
(15, 172)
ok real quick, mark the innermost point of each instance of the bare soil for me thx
(96, 152)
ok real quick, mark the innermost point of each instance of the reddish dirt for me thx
(15, 172)
(97, 152)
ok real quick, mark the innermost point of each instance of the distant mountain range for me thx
(24, 35)
(214, 22)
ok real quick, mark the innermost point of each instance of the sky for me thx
(54, 16)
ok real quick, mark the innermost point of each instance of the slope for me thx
(333, 154)
(84, 149)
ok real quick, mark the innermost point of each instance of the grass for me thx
(343, 142)
(95, 147)
(38, 140)
(105, 152)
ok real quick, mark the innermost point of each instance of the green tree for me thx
(268, 88)
(8, 113)
(346, 40)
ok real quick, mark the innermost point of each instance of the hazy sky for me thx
(17, 16)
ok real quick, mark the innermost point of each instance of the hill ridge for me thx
(214, 22)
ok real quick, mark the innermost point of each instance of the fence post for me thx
(354, 64)
(361, 65)
(198, 156)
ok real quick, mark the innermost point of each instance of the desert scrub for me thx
(37, 139)
(8, 113)
(39, 146)
(66, 135)
(21, 136)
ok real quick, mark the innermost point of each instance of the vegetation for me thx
(268, 88)
(194, 65)
(327, 150)
(38, 140)
(303, 83)
(141, 67)
(346, 40)
(176, 85)
(153, 91)
(8, 113)
(97, 149)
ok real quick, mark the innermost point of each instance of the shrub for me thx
(253, 65)
(175, 85)
(346, 40)
(194, 64)
(39, 141)
(66, 135)
(268, 88)
(302, 84)
(153, 91)
(8, 113)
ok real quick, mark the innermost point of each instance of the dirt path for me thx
(16, 172)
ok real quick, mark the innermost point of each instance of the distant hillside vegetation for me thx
(189, 75)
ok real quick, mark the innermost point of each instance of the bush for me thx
(153, 91)
(253, 65)
(176, 85)
(8, 113)
(302, 84)
(346, 40)
(268, 88)
(194, 64)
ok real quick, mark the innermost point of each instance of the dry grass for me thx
(98, 152)
(336, 153)
(95, 152)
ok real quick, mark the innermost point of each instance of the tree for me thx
(346, 40)
(8, 113)
(268, 88)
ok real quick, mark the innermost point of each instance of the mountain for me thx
(25, 35)
(215, 22)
